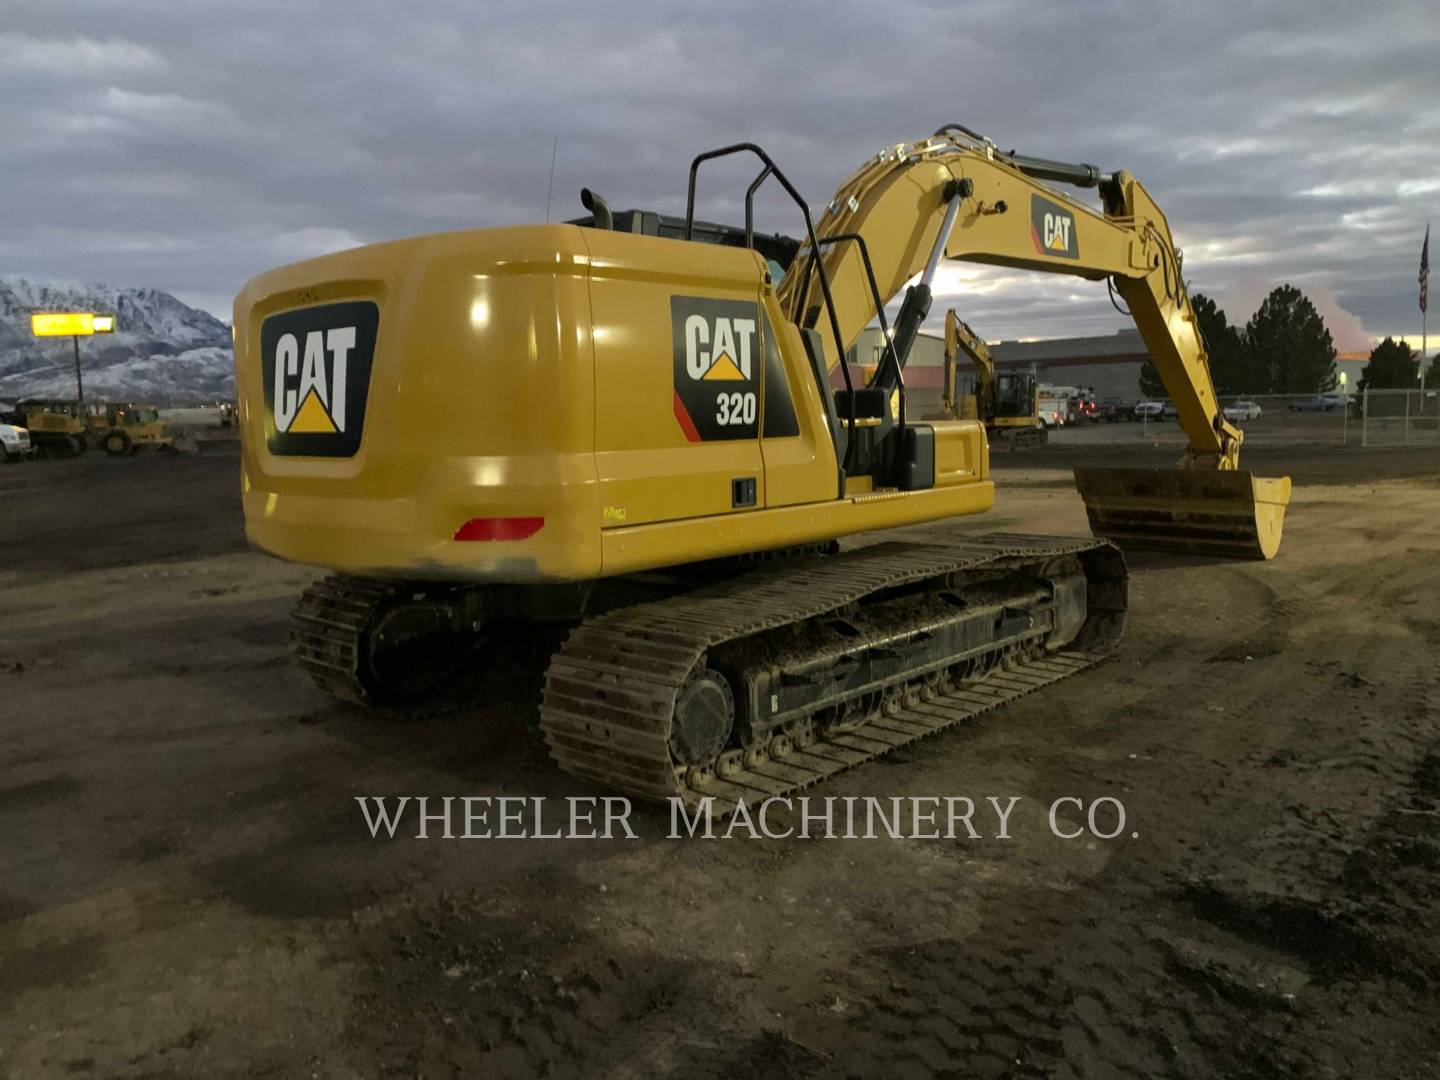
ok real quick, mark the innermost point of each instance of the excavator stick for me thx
(1218, 512)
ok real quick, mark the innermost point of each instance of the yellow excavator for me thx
(625, 423)
(1007, 403)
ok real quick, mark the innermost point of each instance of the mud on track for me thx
(187, 888)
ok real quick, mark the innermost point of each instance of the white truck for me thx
(15, 442)
(1054, 404)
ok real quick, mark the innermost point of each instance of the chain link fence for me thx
(1400, 418)
(1295, 418)
(1372, 418)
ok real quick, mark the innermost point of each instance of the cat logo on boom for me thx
(316, 369)
(716, 356)
(1052, 229)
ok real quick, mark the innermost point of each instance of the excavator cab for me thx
(1014, 395)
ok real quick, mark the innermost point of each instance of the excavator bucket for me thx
(1230, 514)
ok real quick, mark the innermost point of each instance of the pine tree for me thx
(1230, 366)
(1151, 385)
(1291, 349)
(1393, 365)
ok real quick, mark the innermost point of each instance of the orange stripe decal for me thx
(686, 424)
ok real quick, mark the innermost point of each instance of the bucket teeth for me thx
(1224, 513)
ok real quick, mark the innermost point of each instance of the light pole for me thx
(1345, 407)
(74, 325)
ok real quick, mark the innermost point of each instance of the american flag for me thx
(1425, 270)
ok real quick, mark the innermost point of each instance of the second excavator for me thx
(1006, 402)
(625, 424)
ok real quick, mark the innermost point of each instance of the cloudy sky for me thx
(188, 144)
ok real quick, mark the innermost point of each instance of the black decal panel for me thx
(717, 367)
(1052, 228)
(315, 368)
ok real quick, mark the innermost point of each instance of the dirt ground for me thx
(187, 887)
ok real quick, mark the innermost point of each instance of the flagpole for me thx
(1424, 309)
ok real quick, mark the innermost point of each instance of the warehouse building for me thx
(1109, 363)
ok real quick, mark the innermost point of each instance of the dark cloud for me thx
(188, 144)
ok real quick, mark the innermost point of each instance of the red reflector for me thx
(507, 528)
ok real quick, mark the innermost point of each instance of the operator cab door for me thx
(796, 442)
(678, 366)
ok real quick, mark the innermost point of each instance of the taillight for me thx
(501, 528)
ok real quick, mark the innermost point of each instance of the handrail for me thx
(772, 169)
(894, 358)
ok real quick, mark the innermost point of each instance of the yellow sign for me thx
(71, 324)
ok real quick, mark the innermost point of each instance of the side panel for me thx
(677, 378)
(962, 453)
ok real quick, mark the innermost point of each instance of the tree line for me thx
(1285, 348)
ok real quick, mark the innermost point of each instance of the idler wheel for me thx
(704, 716)
(411, 650)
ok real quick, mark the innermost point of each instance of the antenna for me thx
(549, 191)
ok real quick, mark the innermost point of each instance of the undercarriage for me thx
(747, 679)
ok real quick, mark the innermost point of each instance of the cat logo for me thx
(316, 369)
(1052, 229)
(711, 355)
(322, 399)
(716, 357)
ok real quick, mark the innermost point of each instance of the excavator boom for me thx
(956, 193)
(960, 338)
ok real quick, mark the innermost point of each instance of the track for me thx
(1013, 439)
(326, 630)
(611, 690)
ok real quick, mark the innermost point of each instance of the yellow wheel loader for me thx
(124, 428)
(625, 423)
(1007, 403)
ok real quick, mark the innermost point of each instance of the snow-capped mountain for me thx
(163, 351)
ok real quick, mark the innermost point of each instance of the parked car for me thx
(1242, 410)
(1112, 411)
(15, 441)
(1147, 410)
(1318, 403)
(1169, 412)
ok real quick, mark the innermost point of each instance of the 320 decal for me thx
(717, 371)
